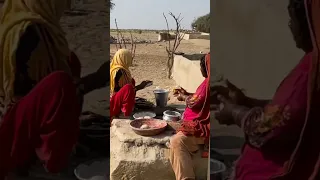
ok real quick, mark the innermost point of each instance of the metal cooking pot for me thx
(171, 115)
(217, 168)
(161, 96)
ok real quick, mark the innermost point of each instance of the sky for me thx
(148, 14)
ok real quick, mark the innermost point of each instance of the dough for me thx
(144, 126)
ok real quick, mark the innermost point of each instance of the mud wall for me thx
(186, 73)
(251, 43)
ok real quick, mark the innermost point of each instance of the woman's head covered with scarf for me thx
(122, 60)
(205, 65)
(305, 26)
(299, 26)
(16, 16)
(203, 122)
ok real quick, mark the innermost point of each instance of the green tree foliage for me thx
(202, 23)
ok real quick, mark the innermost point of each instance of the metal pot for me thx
(217, 168)
(161, 96)
(171, 115)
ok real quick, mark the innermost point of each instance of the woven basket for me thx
(156, 126)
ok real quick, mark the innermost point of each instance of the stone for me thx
(137, 157)
(196, 35)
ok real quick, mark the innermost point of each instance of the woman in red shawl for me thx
(282, 135)
(195, 128)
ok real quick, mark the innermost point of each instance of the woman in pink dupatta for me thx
(282, 135)
(195, 128)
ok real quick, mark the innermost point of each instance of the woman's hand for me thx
(229, 113)
(223, 111)
(236, 95)
(143, 85)
(230, 92)
(89, 115)
(182, 97)
(95, 80)
(181, 94)
(180, 91)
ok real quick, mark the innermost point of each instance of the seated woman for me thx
(122, 85)
(282, 134)
(195, 128)
(40, 86)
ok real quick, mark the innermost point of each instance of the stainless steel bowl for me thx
(171, 115)
(217, 168)
(143, 115)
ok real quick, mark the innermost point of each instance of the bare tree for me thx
(171, 48)
(111, 4)
(122, 43)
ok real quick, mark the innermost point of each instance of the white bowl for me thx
(171, 115)
(96, 170)
(217, 167)
(142, 115)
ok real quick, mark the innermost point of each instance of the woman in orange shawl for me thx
(282, 134)
(122, 86)
(195, 128)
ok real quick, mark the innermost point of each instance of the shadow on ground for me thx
(227, 142)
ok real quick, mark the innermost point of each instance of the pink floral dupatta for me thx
(307, 152)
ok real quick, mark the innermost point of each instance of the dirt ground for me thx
(150, 60)
(88, 35)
